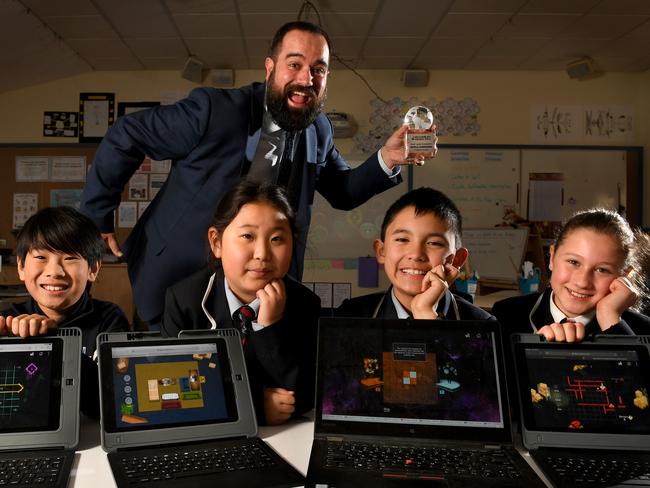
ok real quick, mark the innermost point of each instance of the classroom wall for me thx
(504, 97)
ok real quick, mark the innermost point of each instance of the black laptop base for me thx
(45, 468)
(449, 465)
(224, 463)
(573, 468)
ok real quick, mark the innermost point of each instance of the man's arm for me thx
(165, 132)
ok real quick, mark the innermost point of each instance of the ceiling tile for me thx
(392, 46)
(81, 27)
(347, 24)
(475, 25)
(116, 64)
(200, 6)
(603, 26)
(347, 46)
(46, 8)
(384, 62)
(265, 6)
(170, 63)
(622, 6)
(575, 48)
(264, 25)
(100, 48)
(404, 18)
(159, 47)
(641, 32)
(536, 25)
(512, 47)
(559, 6)
(546, 63)
(503, 6)
(207, 25)
(452, 46)
(441, 62)
(620, 64)
(126, 17)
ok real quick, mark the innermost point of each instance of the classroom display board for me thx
(483, 183)
(335, 234)
(496, 253)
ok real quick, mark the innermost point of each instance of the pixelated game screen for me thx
(410, 376)
(588, 390)
(30, 385)
(168, 385)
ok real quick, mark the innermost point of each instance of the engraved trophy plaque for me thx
(420, 140)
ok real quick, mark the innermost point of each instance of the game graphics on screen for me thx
(588, 396)
(24, 388)
(451, 378)
(167, 389)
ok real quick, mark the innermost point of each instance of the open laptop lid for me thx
(165, 391)
(588, 395)
(411, 378)
(39, 391)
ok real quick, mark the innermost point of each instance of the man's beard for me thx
(287, 118)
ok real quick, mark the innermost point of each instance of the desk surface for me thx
(292, 441)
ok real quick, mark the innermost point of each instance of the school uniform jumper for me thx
(93, 317)
(281, 355)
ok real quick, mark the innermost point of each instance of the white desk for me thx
(91, 468)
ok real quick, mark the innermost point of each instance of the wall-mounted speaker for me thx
(415, 77)
(582, 69)
(193, 70)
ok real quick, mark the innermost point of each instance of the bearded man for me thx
(273, 131)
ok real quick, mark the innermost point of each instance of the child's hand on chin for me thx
(567, 332)
(272, 301)
(610, 308)
(434, 284)
(278, 405)
(26, 325)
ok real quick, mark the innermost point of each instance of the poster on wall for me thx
(96, 115)
(69, 168)
(60, 124)
(66, 197)
(25, 205)
(125, 108)
(32, 168)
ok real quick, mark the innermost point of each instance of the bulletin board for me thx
(43, 189)
(496, 253)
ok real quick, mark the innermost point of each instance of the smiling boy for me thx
(58, 254)
(420, 248)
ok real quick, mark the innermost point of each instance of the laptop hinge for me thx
(172, 445)
(491, 446)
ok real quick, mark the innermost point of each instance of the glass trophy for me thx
(420, 140)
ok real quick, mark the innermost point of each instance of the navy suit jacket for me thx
(210, 136)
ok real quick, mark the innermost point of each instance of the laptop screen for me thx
(584, 389)
(169, 384)
(30, 385)
(410, 373)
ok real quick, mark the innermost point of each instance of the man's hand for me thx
(272, 301)
(111, 242)
(26, 325)
(393, 151)
(278, 405)
(566, 332)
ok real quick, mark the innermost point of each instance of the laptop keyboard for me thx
(27, 471)
(596, 470)
(422, 462)
(195, 462)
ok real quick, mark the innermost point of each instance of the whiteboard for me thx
(497, 253)
(591, 178)
(481, 182)
(339, 234)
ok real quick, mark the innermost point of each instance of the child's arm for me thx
(26, 325)
(622, 296)
(434, 285)
(278, 405)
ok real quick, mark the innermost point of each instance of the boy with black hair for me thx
(58, 254)
(420, 248)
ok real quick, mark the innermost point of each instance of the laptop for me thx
(412, 403)
(39, 408)
(584, 409)
(178, 412)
